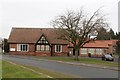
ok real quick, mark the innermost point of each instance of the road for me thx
(80, 71)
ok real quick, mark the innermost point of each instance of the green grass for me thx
(0, 68)
(82, 60)
(99, 62)
(16, 71)
(53, 73)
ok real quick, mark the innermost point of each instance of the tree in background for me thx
(76, 27)
(111, 34)
(5, 46)
(118, 47)
(117, 36)
(103, 34)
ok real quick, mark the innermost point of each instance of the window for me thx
(42, 44)
(91, 50)
(42, 48)
(58, 48)
(22, 47)
(83, 50)
(99, 51)
(38, 47)
(47, 48)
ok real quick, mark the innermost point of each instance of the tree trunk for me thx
(76, 54)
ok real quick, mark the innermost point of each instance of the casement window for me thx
(42, 47)
(22, 47)
(83, 51)
(58, 48)
(42, 44)
(99, 51)
(47, 48)
(91, 50)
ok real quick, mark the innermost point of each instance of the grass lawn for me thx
(15, 71)
(52, 73)
(0, 68)
(10, 70)
(82, 60)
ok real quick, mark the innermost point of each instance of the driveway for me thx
(80, 71)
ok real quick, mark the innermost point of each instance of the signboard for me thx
(12, 49)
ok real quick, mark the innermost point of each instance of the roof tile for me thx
(31, 35)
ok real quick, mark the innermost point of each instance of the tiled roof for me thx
(101, 43)
(31, 35)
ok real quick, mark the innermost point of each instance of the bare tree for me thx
(76, 27)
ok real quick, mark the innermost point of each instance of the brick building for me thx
(101, 46)
(36, 41)
(46, 42)
(97, 48)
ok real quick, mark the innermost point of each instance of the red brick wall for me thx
(32, 51)
(48, 53)
(22, 53)
(31, 47)
(65, 49)
(64, 52)
(13, 46)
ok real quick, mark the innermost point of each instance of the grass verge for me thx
(0, 68)
(15, 71)
(12, 70)
(82, 60)
(53, 73)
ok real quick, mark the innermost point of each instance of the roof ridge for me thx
(107, 40)
(30, 28)
(31, 35)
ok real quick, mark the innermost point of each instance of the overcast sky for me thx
(39, 13)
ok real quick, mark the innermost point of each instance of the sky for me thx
(39, 13)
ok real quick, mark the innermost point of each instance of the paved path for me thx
(80, 71)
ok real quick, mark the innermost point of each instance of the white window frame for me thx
(91, 50)
(99, 51)
(56, 48)
(37, 47)
(45, 48)
(42, 47)
(19, 47)
(83, 51)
